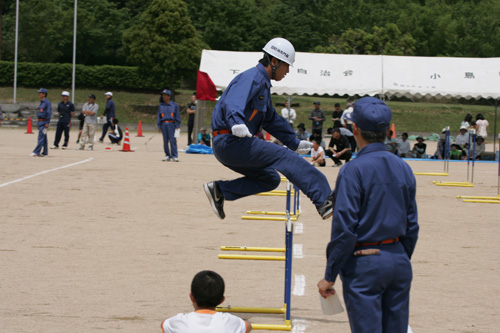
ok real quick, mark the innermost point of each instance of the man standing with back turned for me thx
(245, 107)
(374, 228)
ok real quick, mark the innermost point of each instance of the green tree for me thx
(164, 42)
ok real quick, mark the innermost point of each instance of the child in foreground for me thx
(207, 291)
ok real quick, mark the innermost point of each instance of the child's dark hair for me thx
(207, 289)
(318, 141)
(115, 121)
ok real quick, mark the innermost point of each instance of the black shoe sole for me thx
(212, 202)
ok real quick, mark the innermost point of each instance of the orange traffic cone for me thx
(139, 130)
(393, 129)
(126, 142)
(30, 129)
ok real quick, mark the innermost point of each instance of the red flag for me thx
(205, 88)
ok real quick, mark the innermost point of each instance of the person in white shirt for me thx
(404, 146)
(317, 154)
(289, 114)
(345, 122)
(482, 126)
(207, 291)
(463, 137)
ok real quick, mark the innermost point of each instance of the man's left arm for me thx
(177, 116)
(409, 240)
(280, 128)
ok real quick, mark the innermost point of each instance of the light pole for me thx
(74, 54)
(15, 51)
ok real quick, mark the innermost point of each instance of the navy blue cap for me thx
(317, 102)
(167, 92)
(42, 90)
(371, 114)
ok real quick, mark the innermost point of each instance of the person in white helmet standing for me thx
(243, 109)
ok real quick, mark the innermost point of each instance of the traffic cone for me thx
(139, 130)
(126, 142)
(393, 129)
(30, 129)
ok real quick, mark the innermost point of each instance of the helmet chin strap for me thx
(273, 68)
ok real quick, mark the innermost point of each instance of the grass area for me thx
(412, 117)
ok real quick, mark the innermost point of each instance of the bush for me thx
(35, 75)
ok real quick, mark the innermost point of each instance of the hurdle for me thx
(289, 216)
(445, 159)
(468, 183)
(485, 199)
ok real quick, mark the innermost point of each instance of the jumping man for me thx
(244, 108)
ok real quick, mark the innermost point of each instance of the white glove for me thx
(304, 147)
(241, 130)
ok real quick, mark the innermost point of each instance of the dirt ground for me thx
(111, 244)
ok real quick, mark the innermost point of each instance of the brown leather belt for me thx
(223, 131)
(167, 121)
(387, 241)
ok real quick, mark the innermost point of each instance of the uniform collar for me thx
(378, 146)
(263, 70)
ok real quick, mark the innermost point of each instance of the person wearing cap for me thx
(374, 228)
(109, 113)
(419, 148)
(243, 109)
(463, 137)
(204, 138)
(441, 149)
(318, 117)
(89, 110)
(169, 120)
(66, 111)
(191, 111)
(289, 114)
(44, 112)
(301, 132)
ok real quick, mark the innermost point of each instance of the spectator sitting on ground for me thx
(419, 148)
(207, 291)
(317, 154)
(440, 151)
(116, 134)
(455, 152)
(316, 134)
(463, 137)
(391, 144)
(204, 138)
(342, 149)
(301, 132)
(404, 146)
(480, 148)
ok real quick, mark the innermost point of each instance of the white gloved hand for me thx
(241, 130)
(304, 147)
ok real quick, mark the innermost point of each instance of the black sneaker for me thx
(326, 208)
(216, 198)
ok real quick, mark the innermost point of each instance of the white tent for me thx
(317, 73)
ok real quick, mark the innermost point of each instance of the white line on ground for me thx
(299, 325)
(300, 285)
(298, 228)
(297, 251)
(44, 172)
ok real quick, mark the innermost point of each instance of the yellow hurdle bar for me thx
(477, 197)
(283, 179)
(281, 191)
(253, 249)
(456, 184)
(271, 327)
(482, 201)
(243, 309)
(269, 213)
(268, 218)
(251, 257)
(270, 194)
(440, 182)
(431, 173)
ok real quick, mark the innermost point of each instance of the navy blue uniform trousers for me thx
(168, 131)
(42, 141)
(62, 126)
(258, 161)
(377, 290)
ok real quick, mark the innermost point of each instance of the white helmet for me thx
(281, 49)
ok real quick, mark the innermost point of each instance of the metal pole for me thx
(74, 54)
(468, 156)
(495, 127)
(15, 51)
(473, 155)
(498, 190)
(445, 148)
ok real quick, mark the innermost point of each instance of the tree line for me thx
(165, 37)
